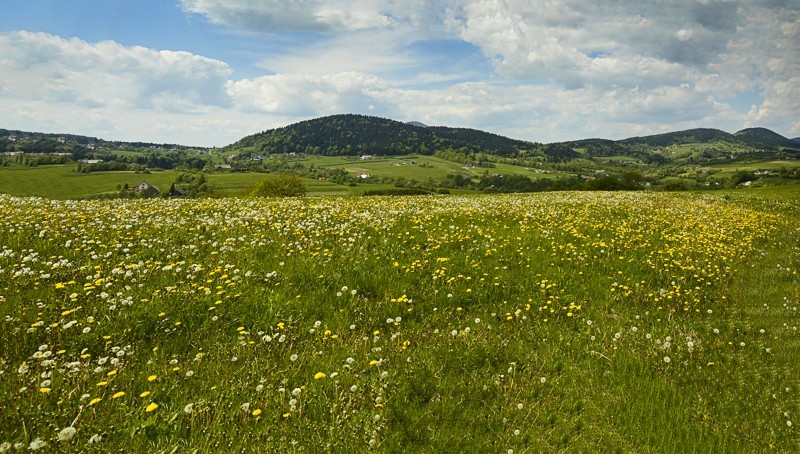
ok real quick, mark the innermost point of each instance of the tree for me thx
(280, 186)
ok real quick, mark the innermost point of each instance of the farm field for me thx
(550, 322)
(62, 183)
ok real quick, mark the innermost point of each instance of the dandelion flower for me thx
(152, 378)
(117, 395)
(319, 375)
(667, 360)
(150, 408)
(37, 444)
(66, 433)
(256, 412)
(95, 400)
(144, 394)
(44, 390)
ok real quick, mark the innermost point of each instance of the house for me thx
(363, 176)
(223, 166)
(90, 146)
(366, 157)
(145, 186)
(91, 161)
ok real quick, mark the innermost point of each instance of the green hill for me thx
(699, 135)
(353, 135)
(764, 138)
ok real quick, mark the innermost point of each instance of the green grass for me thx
(558, 322)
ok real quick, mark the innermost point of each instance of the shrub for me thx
(280, 186)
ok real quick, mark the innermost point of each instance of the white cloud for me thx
(305, 95)
(53, 69)
(308, 15)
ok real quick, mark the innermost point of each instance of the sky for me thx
(209, 72)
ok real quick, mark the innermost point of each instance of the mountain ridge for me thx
(351, 134)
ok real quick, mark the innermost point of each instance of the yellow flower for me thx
(286, 415)
(44, 390)
(144, 394)
(256, 412)
(151, 407)
(373, 362)
(151, 378)
(95, 400)
(102, 383)
(119, 394)
(112, 373)
(319, 375)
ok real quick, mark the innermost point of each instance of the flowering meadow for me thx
(577, 322)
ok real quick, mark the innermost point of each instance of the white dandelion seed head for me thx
(66, 433)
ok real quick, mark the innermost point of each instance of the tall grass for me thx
(578, 322)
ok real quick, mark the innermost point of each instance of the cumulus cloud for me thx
(50, 68)
(306, 15)
(304, 95)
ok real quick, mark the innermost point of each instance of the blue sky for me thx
(208, 72)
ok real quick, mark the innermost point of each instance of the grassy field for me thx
(61, 182)
(574, 322)
(422, 168)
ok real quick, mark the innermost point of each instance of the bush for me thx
(280, 186)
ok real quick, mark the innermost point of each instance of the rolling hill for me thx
(353, 135)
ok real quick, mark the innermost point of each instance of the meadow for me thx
(551, 322)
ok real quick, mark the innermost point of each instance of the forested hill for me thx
(764, 138)
(352, 135)
(699, 135)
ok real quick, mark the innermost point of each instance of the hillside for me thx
(353, 135)
(764, 138)
(699, 135)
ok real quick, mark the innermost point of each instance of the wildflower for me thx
(96, 438)
(667, 360)
(37, 444)
(44, 390)
(319, 375)
(188, 408)
(117, 395)
(256, 412)
(144, 394)
(542, 380)
(150, 408)
(66, 433)
(293, 357)
(95, 400)
(152, 378)
(353, 388)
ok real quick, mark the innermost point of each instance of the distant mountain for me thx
(700, 135)
(764, 138)
(796, 139)
(354, 135)
(416, 123)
